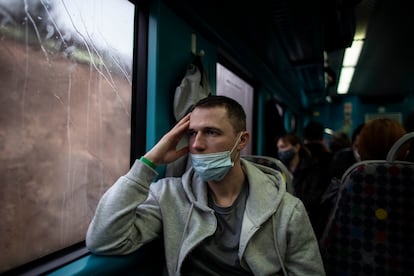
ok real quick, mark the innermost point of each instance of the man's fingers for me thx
(183, 151)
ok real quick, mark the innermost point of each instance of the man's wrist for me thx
(148, 162)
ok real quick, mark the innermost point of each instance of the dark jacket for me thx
(341, 161)
(310, 181)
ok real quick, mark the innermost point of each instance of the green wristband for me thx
(147, 162)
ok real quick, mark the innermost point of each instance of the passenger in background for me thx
(339, 141)
(308, 175)
(313, 137)
(346, 157)
(377, 137)
(314, 141)
(341, 161)
(409, 127)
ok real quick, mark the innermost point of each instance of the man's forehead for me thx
(209, 117)
(208, 113)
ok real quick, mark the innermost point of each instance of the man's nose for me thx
(198, 142)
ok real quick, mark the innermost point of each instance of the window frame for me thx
(60, 258)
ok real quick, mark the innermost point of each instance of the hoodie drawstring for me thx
(187, 222)
(275, 243)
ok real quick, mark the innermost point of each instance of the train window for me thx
(229, 84)
(65, 112)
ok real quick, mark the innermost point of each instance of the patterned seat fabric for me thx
(371, 230)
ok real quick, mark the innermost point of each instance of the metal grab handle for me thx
(392, 154)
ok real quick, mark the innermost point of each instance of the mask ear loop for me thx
(235, 145)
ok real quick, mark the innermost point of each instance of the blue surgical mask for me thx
(213, 166)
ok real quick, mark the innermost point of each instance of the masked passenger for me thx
(307, 173)
(224, 216)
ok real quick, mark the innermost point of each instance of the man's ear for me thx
(244, 139)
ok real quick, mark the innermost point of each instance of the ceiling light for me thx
(352, 54)
(345, 79)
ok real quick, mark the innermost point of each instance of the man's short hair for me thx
(235, 111)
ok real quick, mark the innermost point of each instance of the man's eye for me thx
(191, 133)
(211, 132)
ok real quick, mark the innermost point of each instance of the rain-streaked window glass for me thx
(65, 118)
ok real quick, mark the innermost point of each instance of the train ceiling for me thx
(385, 69)
(291, 36)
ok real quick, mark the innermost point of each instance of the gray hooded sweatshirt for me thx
(276, 233)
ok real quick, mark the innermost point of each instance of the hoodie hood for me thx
(267, 187)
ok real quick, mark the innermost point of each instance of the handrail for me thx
(395, 149)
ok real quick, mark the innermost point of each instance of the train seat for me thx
(370, 231)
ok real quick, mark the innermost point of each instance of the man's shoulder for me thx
(290, 198)
(169, 183)
(290, 201)
(188, 183)
(290, 205)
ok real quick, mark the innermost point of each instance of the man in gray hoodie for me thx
(224, 216)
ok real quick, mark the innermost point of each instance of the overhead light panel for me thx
(351, 58)
(345, 79)
(352, 54)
